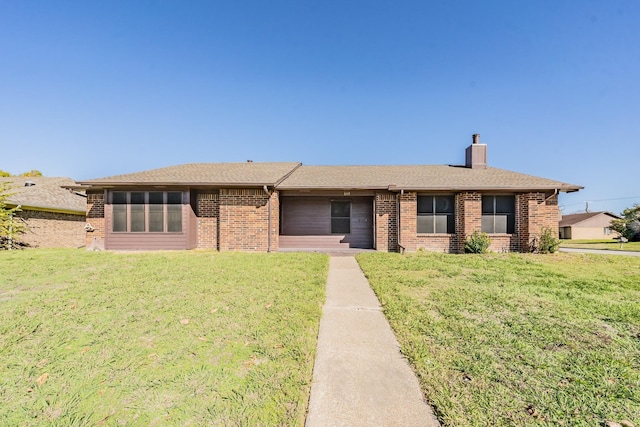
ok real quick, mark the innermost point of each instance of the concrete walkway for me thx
(599, 251)
(360, 378)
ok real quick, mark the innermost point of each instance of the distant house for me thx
(286, 206)
(55, 216)
(588, 225)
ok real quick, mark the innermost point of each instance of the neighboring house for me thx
(55, 216)
(588, 225)
(278, 206)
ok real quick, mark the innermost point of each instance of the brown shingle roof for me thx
(46, 194)
(292, 176)
(231, 174)
(573, 219)
(417, 177)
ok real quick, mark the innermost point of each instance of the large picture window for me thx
(146, 211)
(498, 214)
(436, 214)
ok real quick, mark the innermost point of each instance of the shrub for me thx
(548, 243)
(477, 243)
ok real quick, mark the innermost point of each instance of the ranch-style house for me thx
(253, 206)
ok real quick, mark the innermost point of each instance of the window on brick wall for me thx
(436, 214)
(498, 214)
(146, 211)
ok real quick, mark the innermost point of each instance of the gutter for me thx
(399, 225)
(46, 209)
(281, 180)
(555, 193)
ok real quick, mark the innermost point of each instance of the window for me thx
(607, 231)
(340, 217)
(498, 214)
(119, 200)
(436, 214)
(141, 211)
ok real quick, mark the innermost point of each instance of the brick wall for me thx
(468, 217)
(534, 211)
(237, 219)
(52, 230)
(386, 223)
(208, 213)
(275, 220)
(437, 242)
(94, 240)
(408, 220)
(244, 220)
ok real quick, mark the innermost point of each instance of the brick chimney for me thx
(476, 154)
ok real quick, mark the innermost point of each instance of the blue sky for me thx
(90, 89)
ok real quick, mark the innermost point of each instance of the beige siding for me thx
(151, 241)
(309, 219)
(591, 233)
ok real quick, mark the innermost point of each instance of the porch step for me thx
(334, 241)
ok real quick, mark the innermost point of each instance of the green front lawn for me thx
(608, 244)
(168, 338)
(517, 339)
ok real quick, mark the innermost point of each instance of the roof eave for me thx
(48, 209)
(515, 189)
(106, 184)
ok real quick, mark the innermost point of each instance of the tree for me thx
(32, 172)
(10, 227)
(629, 225)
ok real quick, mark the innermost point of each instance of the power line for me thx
(608, 200)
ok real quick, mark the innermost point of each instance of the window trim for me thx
(451, 216)
(510, 216)
(128, 217)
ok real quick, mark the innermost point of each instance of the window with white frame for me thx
(146, 211)
(436, 214)
(498, 214)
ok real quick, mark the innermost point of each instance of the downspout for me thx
(400, 247)
(266, 190)
(555, 193)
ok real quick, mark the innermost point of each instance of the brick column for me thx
(468, 216)
(208, 214)
(408, 220)
(95, 217)
(534, 211)
(386, 222)
(275, 221)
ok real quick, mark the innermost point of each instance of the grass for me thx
(170, 338)
(517, 339)
(606, 244)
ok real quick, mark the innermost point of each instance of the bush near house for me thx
(517, 339)
(477, 243)
(10, 227)
(548, 243)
